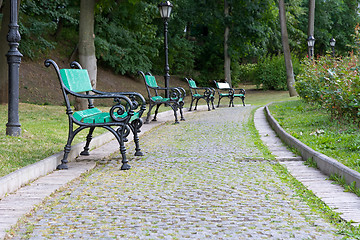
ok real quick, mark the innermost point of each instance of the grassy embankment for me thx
(316, 128)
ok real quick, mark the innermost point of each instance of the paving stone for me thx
(189, 185)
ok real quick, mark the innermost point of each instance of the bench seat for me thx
(94, 115)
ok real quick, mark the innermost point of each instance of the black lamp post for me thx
(13, 59)
(332, 44)
(165, 11)
(311, 43)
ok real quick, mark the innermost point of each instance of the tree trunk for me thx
(227, 60)
(4, 80)
(311, 18)
(86, 44)
(287, 55)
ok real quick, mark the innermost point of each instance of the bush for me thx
(332, 83)
(271, 73)
(247, 72)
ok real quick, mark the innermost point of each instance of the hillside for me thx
(40, 85)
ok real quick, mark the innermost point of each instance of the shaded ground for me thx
(40, 85)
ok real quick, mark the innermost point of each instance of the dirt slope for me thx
(40, 85)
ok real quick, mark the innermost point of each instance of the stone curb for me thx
(325, 164)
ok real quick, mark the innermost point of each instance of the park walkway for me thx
(201, 179)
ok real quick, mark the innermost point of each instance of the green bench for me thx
(198, 93)
(225, 90)
(124, 116)
(175, 100)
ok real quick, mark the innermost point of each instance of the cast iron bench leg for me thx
(192, 100)
(148, 114)
(135, 127)
(208, 103)
(218, 102)
(88, 140)
(64, 161)
(124, 161)
(212, 102)
(196, 103)
(156, 112)
(181, 112)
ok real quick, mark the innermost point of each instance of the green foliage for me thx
(334, 84)
(40, 19)
(125, 38)
(182, 57)
(247, 72)
(271, 73)
(333, 18)
(129, 34)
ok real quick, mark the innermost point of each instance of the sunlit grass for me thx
(315, 127)
(44, 133)
(260, 97)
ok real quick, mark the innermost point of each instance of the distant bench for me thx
(124, 116)
(225, 90)
(175, 100)
(198, 93)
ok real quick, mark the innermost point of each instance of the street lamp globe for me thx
(311, 41)
(165, 9)
(332, 42)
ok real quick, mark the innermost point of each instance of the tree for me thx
(311, 18)
(227, 60)
(4, 81)
(311, 22)
(87, 45)
(287, 55)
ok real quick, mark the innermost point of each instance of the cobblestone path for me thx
(198, 180)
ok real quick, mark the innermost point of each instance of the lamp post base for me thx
(13, 131)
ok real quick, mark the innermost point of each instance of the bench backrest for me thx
(76, 80)
(224, 85)
(192, 83)
(151, 81)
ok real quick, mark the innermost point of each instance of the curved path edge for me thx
(324, 163)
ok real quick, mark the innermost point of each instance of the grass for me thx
(44, 133)
(260, 97)
(315, 127)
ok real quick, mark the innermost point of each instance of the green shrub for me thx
(247, 72)
(271, 73)
(332, 83)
